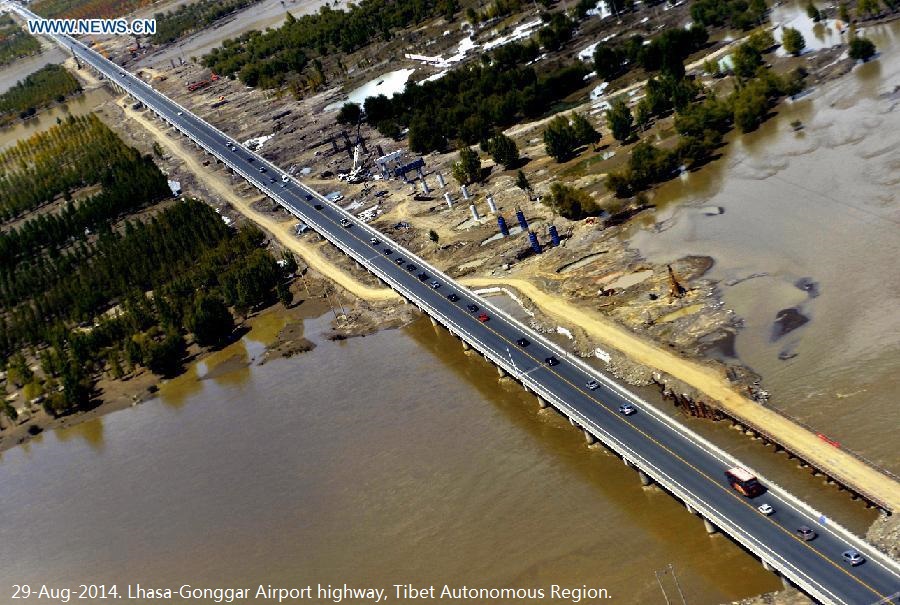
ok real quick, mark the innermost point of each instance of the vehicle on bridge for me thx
(744, 482)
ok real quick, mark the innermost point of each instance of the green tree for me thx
(559, 139)
(793, 41)
(861, 48)
(285, 297)
(812, 12)
(503, 150)
(210, 320)
(350, 113)
(844, 12)
(522, 182)
(762, 40)
(585, 133)
(467, 169)
(433, 236)
(572, 203)
(609, 61)
(747, 59)
(164, 357)
(620, 120)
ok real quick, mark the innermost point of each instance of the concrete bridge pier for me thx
(501, 372)
(710, 528)
(466, 346)
(645, 479)
(689, 508)
(588, 437)
(768, 567)
(541, 403)
(433, 321)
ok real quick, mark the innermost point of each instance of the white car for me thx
(284, 178)
(765, 509)
(180, 113)
(626, 409)
(592, 384)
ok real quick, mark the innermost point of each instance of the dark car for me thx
(250, 159)
(423, 276)
(374, 241)
(345, 223)
(853, 557)
(410, 267)
(400, 260)
(388, 251)
(472, 308)
(523, 342)
(806, 533)
(318, 206)
(308, 196)
(452, 297)
(262, 168)
(551, 361)
(483, 317)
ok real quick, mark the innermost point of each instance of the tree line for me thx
(15, 43)
(269, 58)
(79, 152)
(474, 102)
(52, 83)
(189, 18)
(129, 298)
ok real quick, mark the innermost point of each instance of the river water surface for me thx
(817, 208)
(391, 459)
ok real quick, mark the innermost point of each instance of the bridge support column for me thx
(645, 480)
(767, 567)
(541, 403)
(433, 321)
(501, 372)
(588, 437)
(466, 346)
(784, 581)
(689, 508)
(710, 528)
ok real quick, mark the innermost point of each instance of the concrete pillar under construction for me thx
(491, 204)
(474, 212)
(710, 528)
(440, 178)
(465, 192)
(425, 188)
(449, 200)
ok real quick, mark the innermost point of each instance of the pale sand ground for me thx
(709, 381)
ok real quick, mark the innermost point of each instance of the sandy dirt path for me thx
(713, 383)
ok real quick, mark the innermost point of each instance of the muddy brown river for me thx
(811, 223)
(396, 458)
